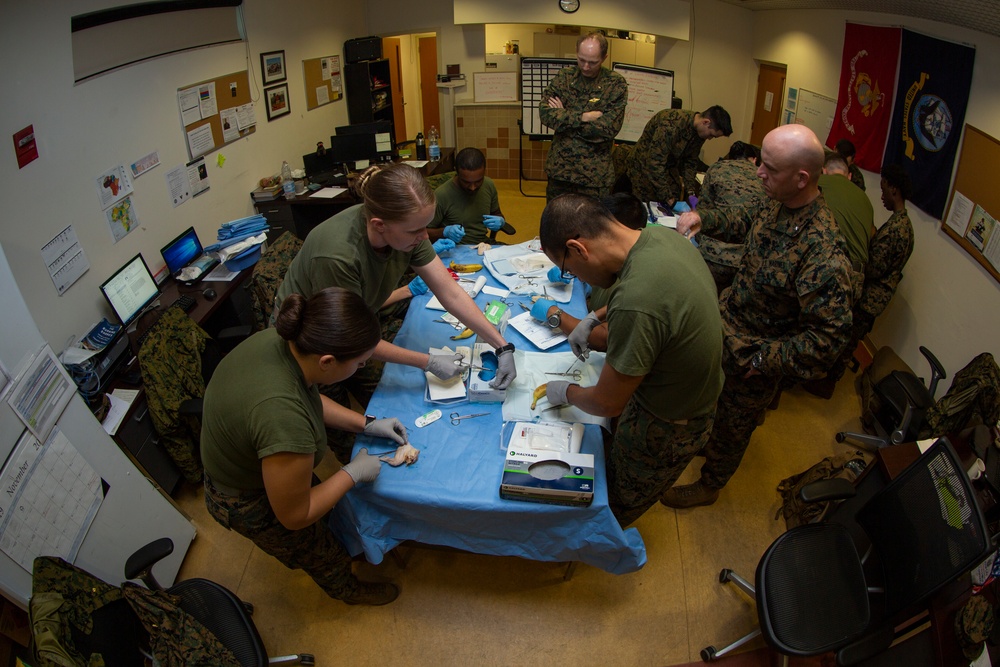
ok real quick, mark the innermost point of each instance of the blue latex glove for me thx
(418, 286)
(540, 311)
(454, 233)
(555, 275)
(493, 222)
(442, 245)
(681, 207)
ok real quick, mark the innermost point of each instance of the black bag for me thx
(797, 512)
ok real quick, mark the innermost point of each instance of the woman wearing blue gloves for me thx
(367, 249)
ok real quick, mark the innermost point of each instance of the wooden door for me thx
(768, 105)
(391, 51)
(427, 49)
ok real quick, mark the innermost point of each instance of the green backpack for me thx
(797, 512)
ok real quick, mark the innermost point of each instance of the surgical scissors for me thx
(576, 375)
(456, 418)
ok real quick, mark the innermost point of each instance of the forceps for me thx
(456, 418)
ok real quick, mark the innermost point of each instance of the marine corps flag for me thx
(929, 113)
(867, 82)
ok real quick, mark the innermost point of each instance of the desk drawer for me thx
(138, 435)
(279, 217)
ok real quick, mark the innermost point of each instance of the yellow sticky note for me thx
(220, 160)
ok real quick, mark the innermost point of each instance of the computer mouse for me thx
(210, 294)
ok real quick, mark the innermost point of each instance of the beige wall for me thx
(119, 117)
(947, 301)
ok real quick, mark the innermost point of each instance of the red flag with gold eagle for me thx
(867, 86)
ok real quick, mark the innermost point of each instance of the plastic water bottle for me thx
(421, 148)
(433, 149)
(287, 184)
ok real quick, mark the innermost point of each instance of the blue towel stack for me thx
(238, 230)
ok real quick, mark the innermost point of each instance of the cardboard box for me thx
(480, 390)
(542, 476)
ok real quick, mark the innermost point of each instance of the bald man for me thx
(787, 313)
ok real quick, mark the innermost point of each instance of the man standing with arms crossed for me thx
(788, 310)
(585, 105)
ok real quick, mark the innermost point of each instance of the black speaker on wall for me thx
(676, 103)
(362, 48)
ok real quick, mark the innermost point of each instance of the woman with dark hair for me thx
(367, 249)
(264, 430)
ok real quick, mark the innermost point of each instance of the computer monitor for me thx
(130, 290)
(385, 135)
(353, 147)
(182, 251)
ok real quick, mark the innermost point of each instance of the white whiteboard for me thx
(494, 86)
(649, 91)
(535, 76)
(816, 112)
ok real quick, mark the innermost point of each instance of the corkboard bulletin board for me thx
(320, 73)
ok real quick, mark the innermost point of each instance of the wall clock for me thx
(569, 6)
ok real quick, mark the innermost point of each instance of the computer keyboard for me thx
(185, 302)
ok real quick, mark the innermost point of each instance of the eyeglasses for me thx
(563, 273)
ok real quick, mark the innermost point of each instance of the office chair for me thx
(214, 606)
(268, 274)
(898, 406)
(816, 593)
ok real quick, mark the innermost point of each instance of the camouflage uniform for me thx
(170, 359)
(791, 301)
(313, 549)
(579, 159)
(64, 600)
(973, 398)
(663, 164)
(856, 176)
(888, 253)
(647, 455)
(729, 195)
(267, 276)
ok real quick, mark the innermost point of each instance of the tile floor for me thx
(466, 609)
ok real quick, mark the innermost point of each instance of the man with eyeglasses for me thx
(585, 105)
(663, 164)
(663, 370)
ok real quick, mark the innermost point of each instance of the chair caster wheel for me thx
(724, 576)
(307, 659)
(841, 436)
(708, 654)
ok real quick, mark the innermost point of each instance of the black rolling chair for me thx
(817, 593)
(214, 606)
(899, 402)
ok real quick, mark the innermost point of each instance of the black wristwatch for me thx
(509, 347)
(369, 419)
(555, 319)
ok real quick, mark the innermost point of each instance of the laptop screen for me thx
(182, 251)
(130, 290)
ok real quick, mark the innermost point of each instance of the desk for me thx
(301, 214)
(136, 435)
(450, 497)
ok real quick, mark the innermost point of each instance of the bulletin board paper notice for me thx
(200, 140)
(64, 258)
(41, 393)
(52, 496)
(178, 185)
(113, 185)
(187, 101)
(960, 213)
